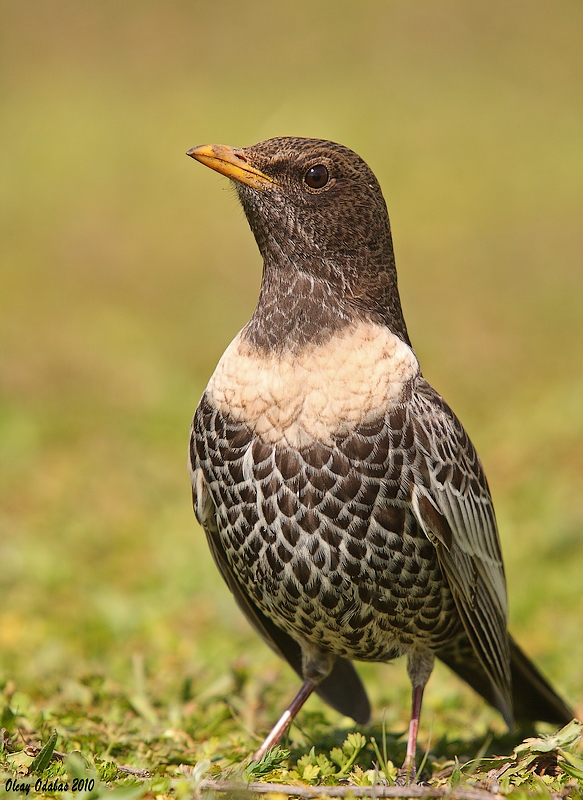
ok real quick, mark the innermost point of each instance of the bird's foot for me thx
(407, 774)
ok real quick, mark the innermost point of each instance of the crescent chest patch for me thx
(294, 398)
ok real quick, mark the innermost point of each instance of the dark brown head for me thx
(321, 224)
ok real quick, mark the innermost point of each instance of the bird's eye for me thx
(316, 177)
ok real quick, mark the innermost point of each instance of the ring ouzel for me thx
(343, 502)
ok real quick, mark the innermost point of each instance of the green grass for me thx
(148, 739)
(125, 269)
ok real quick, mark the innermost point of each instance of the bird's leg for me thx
(408, 770)
(285, 720)
(316, 665)
(419, 667)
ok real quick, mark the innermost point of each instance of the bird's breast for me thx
(293, 398)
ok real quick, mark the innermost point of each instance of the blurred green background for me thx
(126, 269)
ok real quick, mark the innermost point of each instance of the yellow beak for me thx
(231, 163)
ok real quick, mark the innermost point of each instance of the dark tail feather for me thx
(343, 690)
(461, 657)
(533, 698)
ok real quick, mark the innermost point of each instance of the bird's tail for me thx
(533, 698)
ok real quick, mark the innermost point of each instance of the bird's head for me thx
(317, 210)
(308, 192)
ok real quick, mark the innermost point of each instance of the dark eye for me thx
(316, 177)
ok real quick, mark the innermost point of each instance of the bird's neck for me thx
(294, 311)
(301, 307)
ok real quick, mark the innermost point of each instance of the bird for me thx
(343, 502)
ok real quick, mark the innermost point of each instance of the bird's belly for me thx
(322, 539)
(366, 598)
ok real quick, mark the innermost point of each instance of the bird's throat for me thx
(295, 311)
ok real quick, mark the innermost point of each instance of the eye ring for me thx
(317, 176)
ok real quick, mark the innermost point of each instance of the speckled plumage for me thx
(343, 501)
(325, 537)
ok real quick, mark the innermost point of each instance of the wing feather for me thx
(455, 510)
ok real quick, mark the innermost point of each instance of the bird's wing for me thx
(452, 503)
(342, 689)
